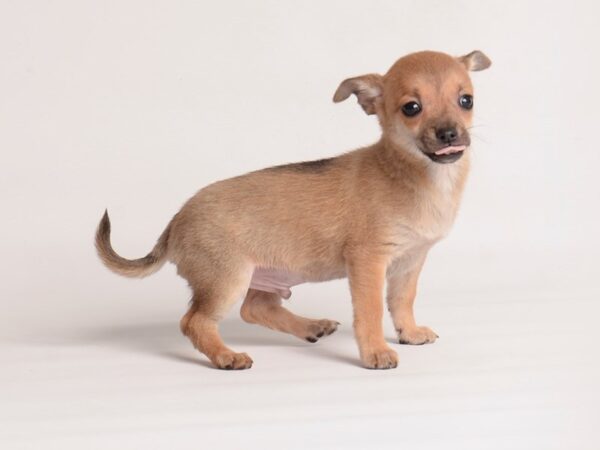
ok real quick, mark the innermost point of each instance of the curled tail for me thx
(133, 268)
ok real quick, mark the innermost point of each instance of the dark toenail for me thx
(320, 335)
(311, 339)
(228, 367)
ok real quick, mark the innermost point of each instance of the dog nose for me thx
(446, 135)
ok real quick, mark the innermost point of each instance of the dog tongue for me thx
(451, 149)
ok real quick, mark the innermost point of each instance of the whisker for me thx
(479, 138)
(475, 126)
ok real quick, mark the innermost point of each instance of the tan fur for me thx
(366, 214)
(133, 268)
(264, 308)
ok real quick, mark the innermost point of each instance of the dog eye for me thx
(466, 101)
(411, 109)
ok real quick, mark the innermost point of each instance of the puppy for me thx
(370, 215)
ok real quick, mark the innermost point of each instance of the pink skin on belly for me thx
(275, 280)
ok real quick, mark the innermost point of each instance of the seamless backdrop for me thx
(133, 106)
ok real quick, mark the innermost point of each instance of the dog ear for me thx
(367, 89)
(475, 60)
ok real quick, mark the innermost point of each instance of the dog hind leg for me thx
(210, 302)
(264, 308)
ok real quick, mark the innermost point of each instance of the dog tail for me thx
(133, 268)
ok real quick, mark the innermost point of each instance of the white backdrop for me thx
(135, 105)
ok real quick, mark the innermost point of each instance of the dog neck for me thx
(408, 166)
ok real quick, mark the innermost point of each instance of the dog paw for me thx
(316, 329)
(385, 358)
(416, 336)
(232, 361)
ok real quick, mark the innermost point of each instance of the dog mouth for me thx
(448, 154)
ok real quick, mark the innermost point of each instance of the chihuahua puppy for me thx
(370, 215)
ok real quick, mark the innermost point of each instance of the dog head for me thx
(424, 103)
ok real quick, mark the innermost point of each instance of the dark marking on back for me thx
(316, 166)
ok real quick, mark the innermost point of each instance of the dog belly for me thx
(275, 280)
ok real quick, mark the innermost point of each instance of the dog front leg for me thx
(366, 274)
(402, 290)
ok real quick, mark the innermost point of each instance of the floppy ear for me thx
(367, 89)
(475, 61)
